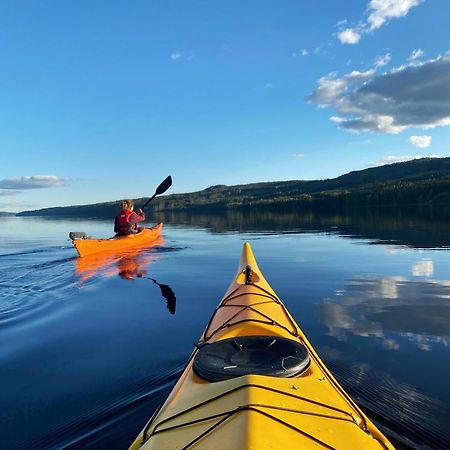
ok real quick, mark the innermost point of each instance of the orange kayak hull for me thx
(145, 238)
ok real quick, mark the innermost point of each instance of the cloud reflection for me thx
(391, 308)
(423, 268)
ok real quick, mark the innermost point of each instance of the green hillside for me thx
(421, 181)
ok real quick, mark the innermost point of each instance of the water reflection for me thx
(425, 227)
(390, 308)
(128, 265)
(423, 268)
(131, 266)
(381, 326)
(168, 294)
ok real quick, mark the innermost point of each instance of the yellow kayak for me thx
(255, 382)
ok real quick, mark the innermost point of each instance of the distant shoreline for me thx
(418, 182)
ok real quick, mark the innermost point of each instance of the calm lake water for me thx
(89, 349)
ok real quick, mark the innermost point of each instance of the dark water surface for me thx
(90, 348)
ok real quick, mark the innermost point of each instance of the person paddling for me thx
(126, 219)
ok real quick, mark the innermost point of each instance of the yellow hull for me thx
(258, 412)
(143, 239)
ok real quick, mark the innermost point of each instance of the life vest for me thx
(123, 221)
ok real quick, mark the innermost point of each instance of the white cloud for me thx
(185, 56)
(413, 95)
(337, 119)
(298, 155)
(420, 141)
(302, 52)
(330, 89)
(415, 54)
(379, 13)
(349, 36)
(381, 61)
(401, 158)
(33, 182)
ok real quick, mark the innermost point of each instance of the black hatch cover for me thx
(245, 355)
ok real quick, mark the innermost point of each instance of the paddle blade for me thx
(160, 189)
(164, 186)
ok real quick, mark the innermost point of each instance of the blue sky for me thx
(101, 100)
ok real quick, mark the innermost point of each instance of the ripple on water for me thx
(31, 280)
(87, 379)
(96, 426)
(410, 418)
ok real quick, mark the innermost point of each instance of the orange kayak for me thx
(146, 237)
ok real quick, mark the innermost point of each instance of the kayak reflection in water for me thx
(128, 265)
(129, 268)
(129, 262)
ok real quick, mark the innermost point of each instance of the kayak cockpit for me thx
(251, 355)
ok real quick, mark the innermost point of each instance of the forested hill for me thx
(420, 181)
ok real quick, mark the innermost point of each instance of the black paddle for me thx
(160, 190)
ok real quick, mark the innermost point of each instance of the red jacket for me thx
(126, 222)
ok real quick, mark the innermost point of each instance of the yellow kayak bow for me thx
(255, 382)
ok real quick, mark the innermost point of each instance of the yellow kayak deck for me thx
(306, 411)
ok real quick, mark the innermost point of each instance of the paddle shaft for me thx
(148, 201)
